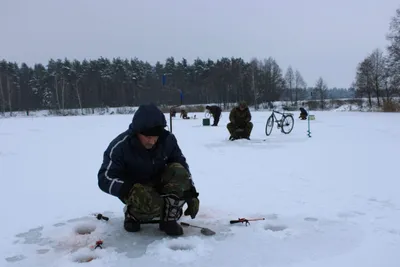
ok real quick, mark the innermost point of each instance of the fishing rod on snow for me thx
(245, 221)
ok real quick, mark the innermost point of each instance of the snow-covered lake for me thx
(329, 200)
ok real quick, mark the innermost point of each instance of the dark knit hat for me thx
(155, 131)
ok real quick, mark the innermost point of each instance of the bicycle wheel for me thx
(287, 124)
(269, 125)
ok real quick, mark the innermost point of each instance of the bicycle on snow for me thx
(285, 123)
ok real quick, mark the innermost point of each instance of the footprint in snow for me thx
(310, 219)
(350, 214)
(16, 258)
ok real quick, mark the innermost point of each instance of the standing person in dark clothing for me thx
(215, 112)
(240, 125)
(145, 168)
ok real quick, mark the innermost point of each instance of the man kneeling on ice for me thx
(240, 125)
(145, 168)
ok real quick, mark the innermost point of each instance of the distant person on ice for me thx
(145, 168)
(184, 114)
(215, 112)
(240, 125)
(303, 114)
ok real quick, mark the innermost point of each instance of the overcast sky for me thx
(317, 37)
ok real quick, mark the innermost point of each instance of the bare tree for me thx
(298, 83)
(364, 79)
(378, 62)
(2, 94)
(394, 53)
(290, 81)
(391, 82)
(321, 90)
(394, 38)
(254, 88)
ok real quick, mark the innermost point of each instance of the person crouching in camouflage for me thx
(145, 168)
(184, 114)
(240, 125)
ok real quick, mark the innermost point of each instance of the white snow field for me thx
(329, 200)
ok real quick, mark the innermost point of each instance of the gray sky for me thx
(317, 37)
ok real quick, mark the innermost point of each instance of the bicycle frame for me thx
(275, 118)
(282, 113)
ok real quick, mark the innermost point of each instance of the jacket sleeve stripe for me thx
(113, 180)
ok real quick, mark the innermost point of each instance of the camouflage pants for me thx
(242, 131)
(148, 201)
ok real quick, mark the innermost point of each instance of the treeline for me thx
(71, 84)
(378, 74)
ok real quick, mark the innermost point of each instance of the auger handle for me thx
(190, 225)
(238, 221)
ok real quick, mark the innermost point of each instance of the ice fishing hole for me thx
(275, 228)
(181, 247)
(310, 219)
(84, 257)
(85, 229)
(42, 251)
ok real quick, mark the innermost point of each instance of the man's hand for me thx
(193, 207)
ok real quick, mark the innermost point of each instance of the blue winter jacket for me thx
(126, 161)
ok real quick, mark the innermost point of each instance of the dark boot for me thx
(169, 219)
(130, 223)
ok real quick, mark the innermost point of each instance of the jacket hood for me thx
(147, 116)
